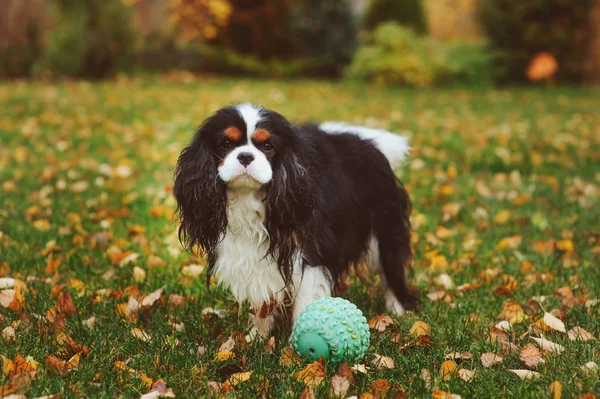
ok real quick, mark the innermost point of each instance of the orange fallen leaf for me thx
(311, 375)
(380, 323)
(512, 312)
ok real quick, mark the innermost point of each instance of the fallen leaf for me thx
(312, 375)
(447, 370)
(578, 333)
(525, 374)
(6, 282)
(556, 389)
(554, 323)
(9, 334)
(139, 274)
(225, 355)
(548, 345)
(426, 376)
(236, 378)
(140, 334)
(360, 368)
(380, 388)
(339, 386)
(488, 359)
(307, 394)
(531, 356)
(466, 375)
(380, 323)
(419, 328)
(512, 312)
(228, 345)
(151, 298)
(383, 362)
(589, 367)
(289, 357)
(504, 325)
(458, 356)
(510, 242)
(193, 271)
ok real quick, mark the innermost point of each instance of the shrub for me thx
(408, 13)
(17, 59)
(519, 29)
(325, 30)
(396, 55)
(90, 38)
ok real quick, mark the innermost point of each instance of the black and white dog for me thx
(282, 210)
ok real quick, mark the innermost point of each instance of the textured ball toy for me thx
(333, 328)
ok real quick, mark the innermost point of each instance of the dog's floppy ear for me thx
(289, 204)
(201, 196)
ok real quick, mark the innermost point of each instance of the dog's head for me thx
(240, 148)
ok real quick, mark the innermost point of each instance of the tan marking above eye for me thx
(233, 133)
(261, 135)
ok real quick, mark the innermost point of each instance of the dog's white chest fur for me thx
(241, 262)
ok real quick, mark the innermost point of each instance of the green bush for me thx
(396, 55)
(325, 30)
(519, 29)
(90, 38)
(408, 13)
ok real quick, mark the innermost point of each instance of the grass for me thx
(504, 186)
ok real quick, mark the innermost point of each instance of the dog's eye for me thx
(227, 143)
(267, 147)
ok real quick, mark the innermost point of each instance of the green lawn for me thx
(505, 203)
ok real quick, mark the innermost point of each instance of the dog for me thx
(281, 210)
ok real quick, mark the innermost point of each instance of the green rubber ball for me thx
(333, 328)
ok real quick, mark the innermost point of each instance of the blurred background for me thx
(392, 42)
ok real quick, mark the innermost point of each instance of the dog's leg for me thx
(374, 261)
(315, 284)
(261, 326)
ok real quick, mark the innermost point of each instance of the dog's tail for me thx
(393, 146)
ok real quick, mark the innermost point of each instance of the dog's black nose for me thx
(245, 158)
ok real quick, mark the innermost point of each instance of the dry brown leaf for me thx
(589, 367)
(548, 345)
(381, 362)
(380, 323)
(554, 323)
(458, 356)
(151, 298)
(525, 374)
(556, 389)
(488, 359)
(578, 333)
(512, 312)
(307, 394)
(140, 334)
(531, 356)
(289, 357)
(419, 328)
(380, 388)
(312, 375)
(228, 345)
(447, 370)
(466, 375)
(339, 386)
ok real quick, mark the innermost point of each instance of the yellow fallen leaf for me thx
(565, 246)
(447, 370)
(312, 375)
(556, 389)
(502, 217)
(239, 377)
(225, 355)
(512, 312)
(419, 328)
(510, 242)
(139, 274)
